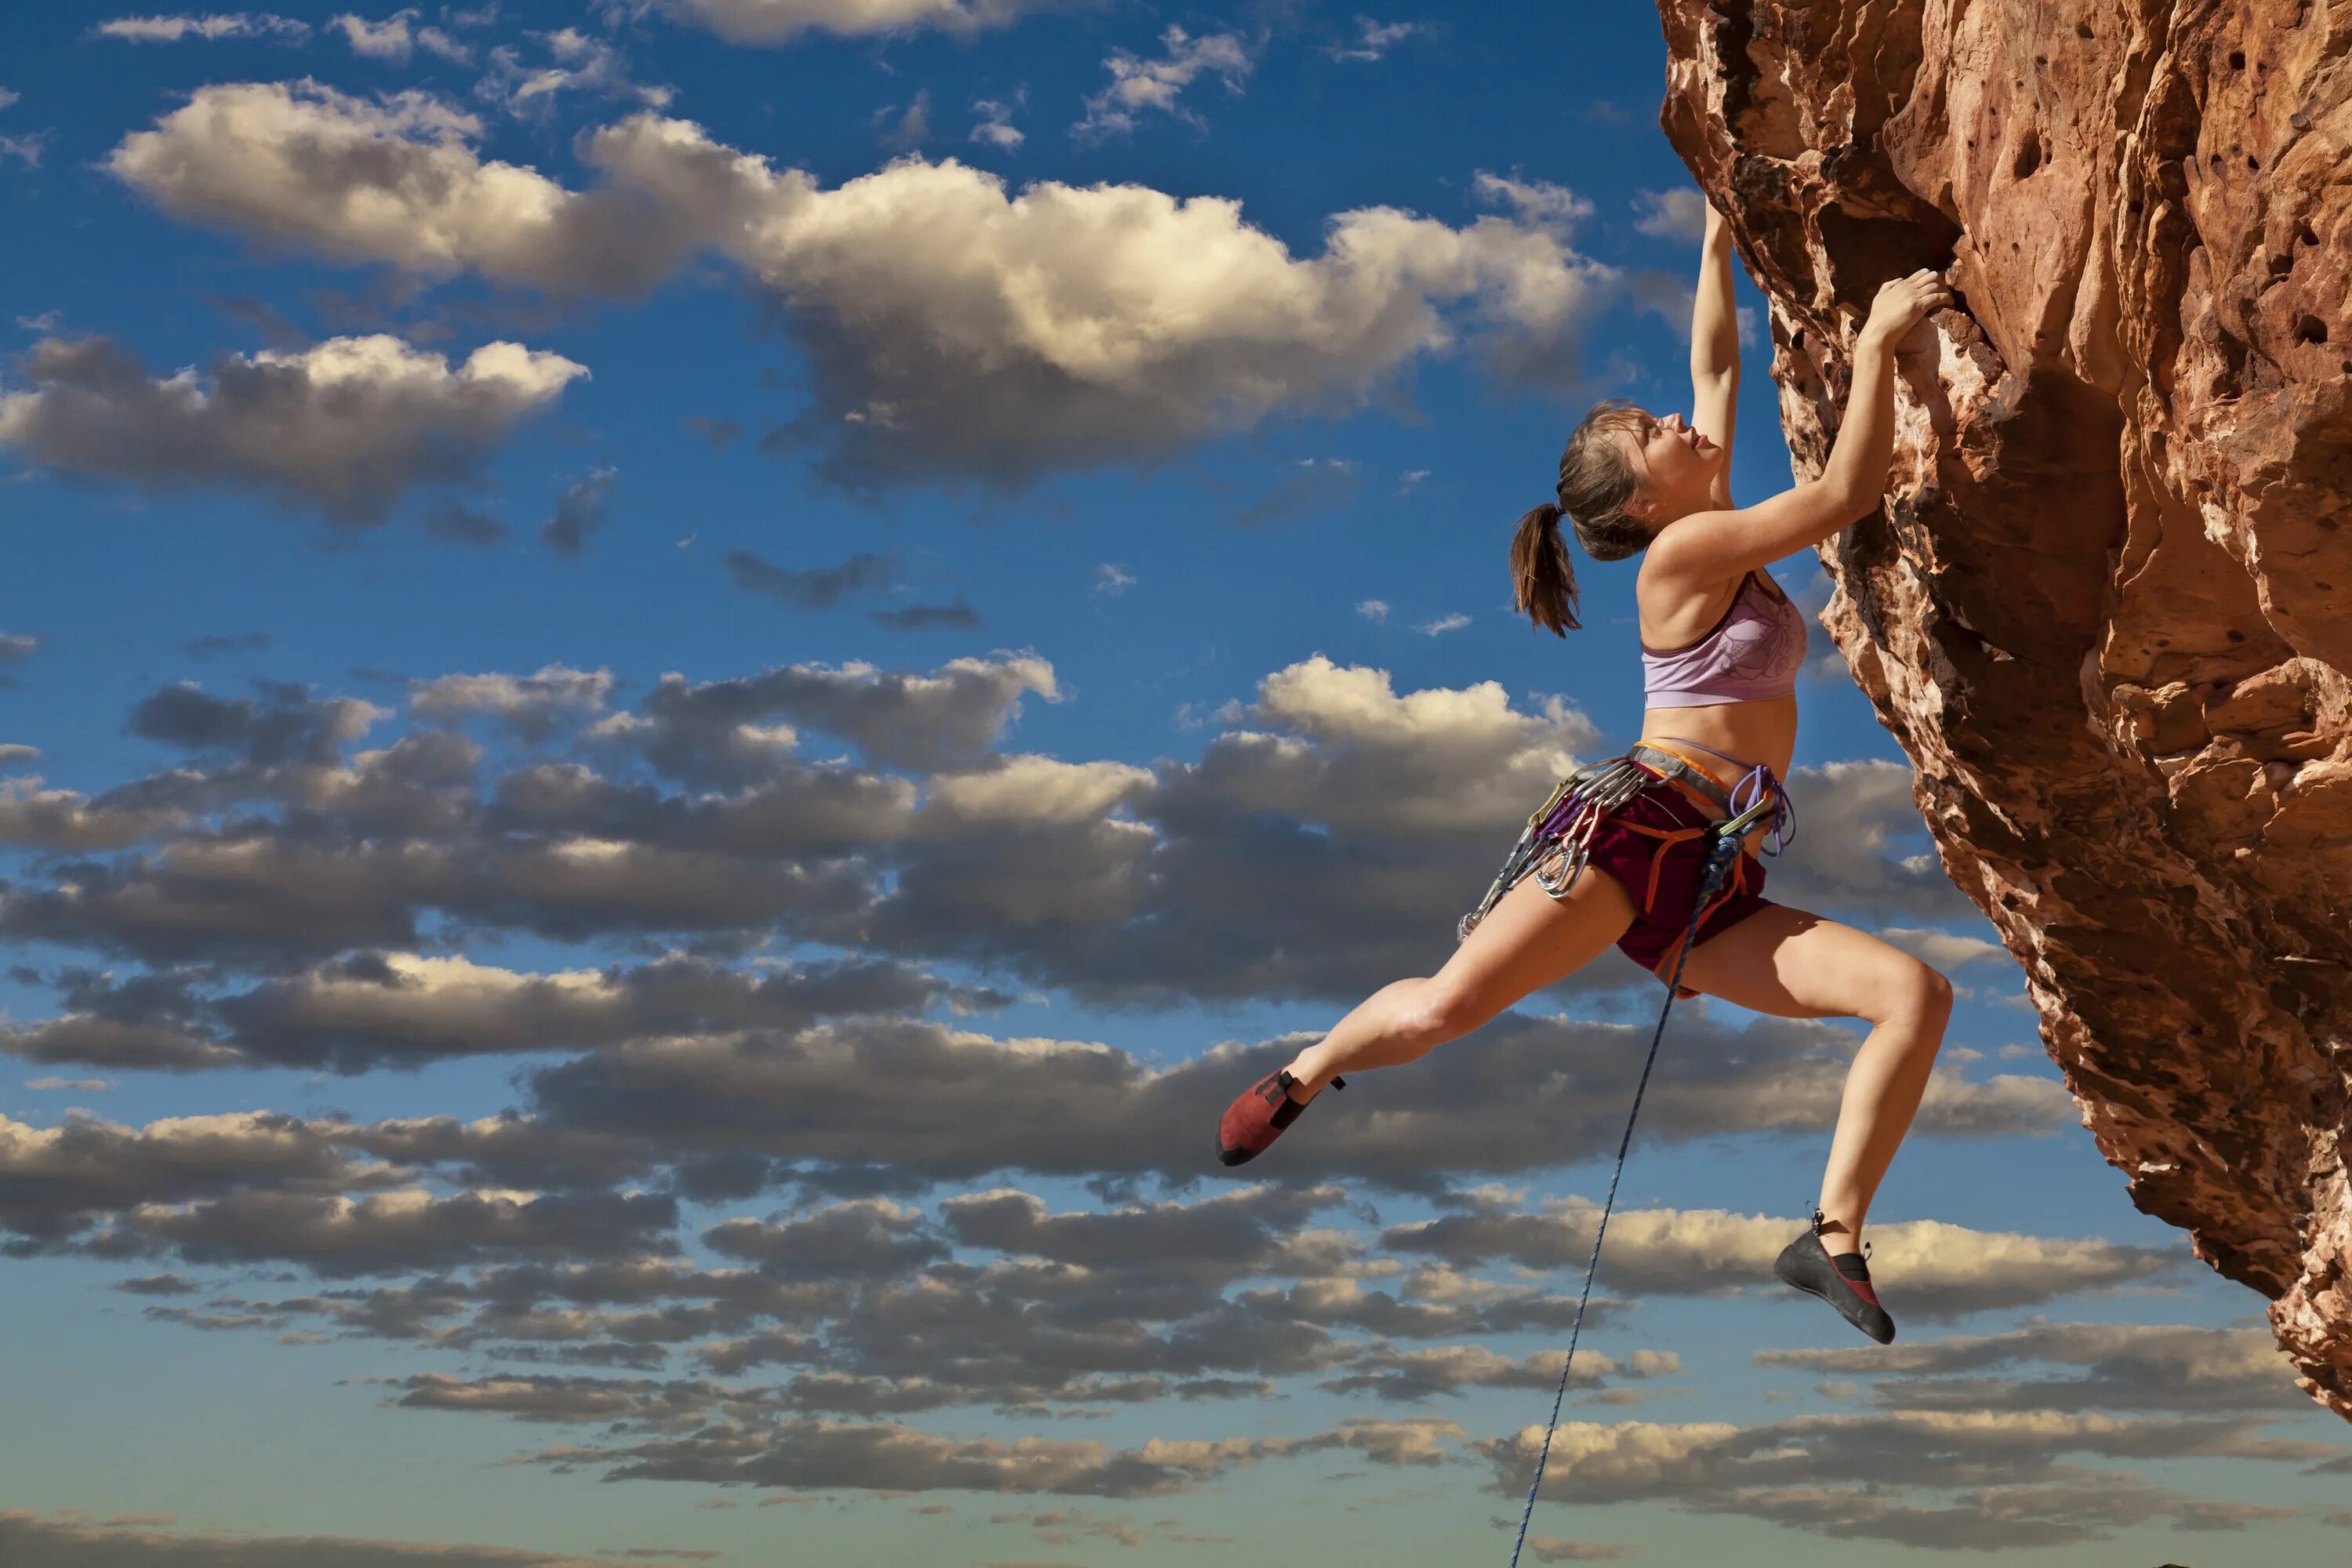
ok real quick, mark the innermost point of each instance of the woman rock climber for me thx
(1721, 646)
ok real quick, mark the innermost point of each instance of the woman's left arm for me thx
(1715, 349)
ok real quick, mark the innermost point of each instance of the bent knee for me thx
(1925, 991)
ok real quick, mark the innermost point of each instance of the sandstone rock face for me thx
(2107, 607)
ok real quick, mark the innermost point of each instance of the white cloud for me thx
(1890, 1476)
(954, 327)
(996, 127)
(66, 820)
(1374, 610)
(1113, 579)
(1924, 1268)
(346, 424)
(530, 704)
(781, 21)
(1540, 203)
(1452, 623)
(576, 63)
(1138, 86)
(1374, 39)
(1678, 214)
(232, 25)
(393, 40)
(1942, 948)
(2146, 1366)
(1023, 791)
(1849, 817)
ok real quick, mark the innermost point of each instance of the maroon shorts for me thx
(1663, 875)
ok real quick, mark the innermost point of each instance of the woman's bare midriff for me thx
(1762, 731)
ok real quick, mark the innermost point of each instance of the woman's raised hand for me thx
(1904, 302)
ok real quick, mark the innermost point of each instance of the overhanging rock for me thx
(2107, 607)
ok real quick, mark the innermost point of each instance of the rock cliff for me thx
(2107, 607)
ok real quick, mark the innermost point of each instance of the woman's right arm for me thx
(1715, 546)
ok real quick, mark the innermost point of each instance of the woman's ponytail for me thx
(1543, 582)
(1596, 486)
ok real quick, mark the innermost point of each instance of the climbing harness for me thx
(1722, 854)
(1557, 843)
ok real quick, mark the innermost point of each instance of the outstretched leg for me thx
(1527, 941)
(1793, 965)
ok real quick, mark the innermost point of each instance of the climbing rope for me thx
(1722, 853)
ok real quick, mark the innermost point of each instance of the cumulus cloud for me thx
(347, 426)
(579, 512)
(1942, 948)
(1141, 87)
(532, 705)
(286, 725)
(953, 328)
(782, 21)
(1925, 1268)
(58, 1180)
(1528, 1095)
(1679, 214)
(2128, 1366)
(995, 126)
(403, 1010)
(394, 38)
(1845, 857)
(68, 820)
(15, 647)
(811, 587)
(231, 24)
(72, 1538)
(1331, 798)
(1975, 1480)
(1375, 39)
(811, 1454)
(575, 62)
(397, 1231)
(705, 733)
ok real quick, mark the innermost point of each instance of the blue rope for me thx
(1722, 854)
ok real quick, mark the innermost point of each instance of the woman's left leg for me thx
(1793, 965)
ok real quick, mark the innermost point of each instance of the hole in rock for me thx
(2237, 59)
(2311, 330)
(2029, 157)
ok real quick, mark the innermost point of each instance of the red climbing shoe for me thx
(1258, 1117)
(1843, 1280)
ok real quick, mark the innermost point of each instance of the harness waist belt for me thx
(1682, 773)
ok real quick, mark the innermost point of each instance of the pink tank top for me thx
(1754, 651)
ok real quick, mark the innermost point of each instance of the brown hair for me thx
(1596, 484)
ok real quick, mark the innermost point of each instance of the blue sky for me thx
(683, 685)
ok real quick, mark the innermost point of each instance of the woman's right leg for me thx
(1527, 941)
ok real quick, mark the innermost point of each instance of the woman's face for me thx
(1677, 464)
